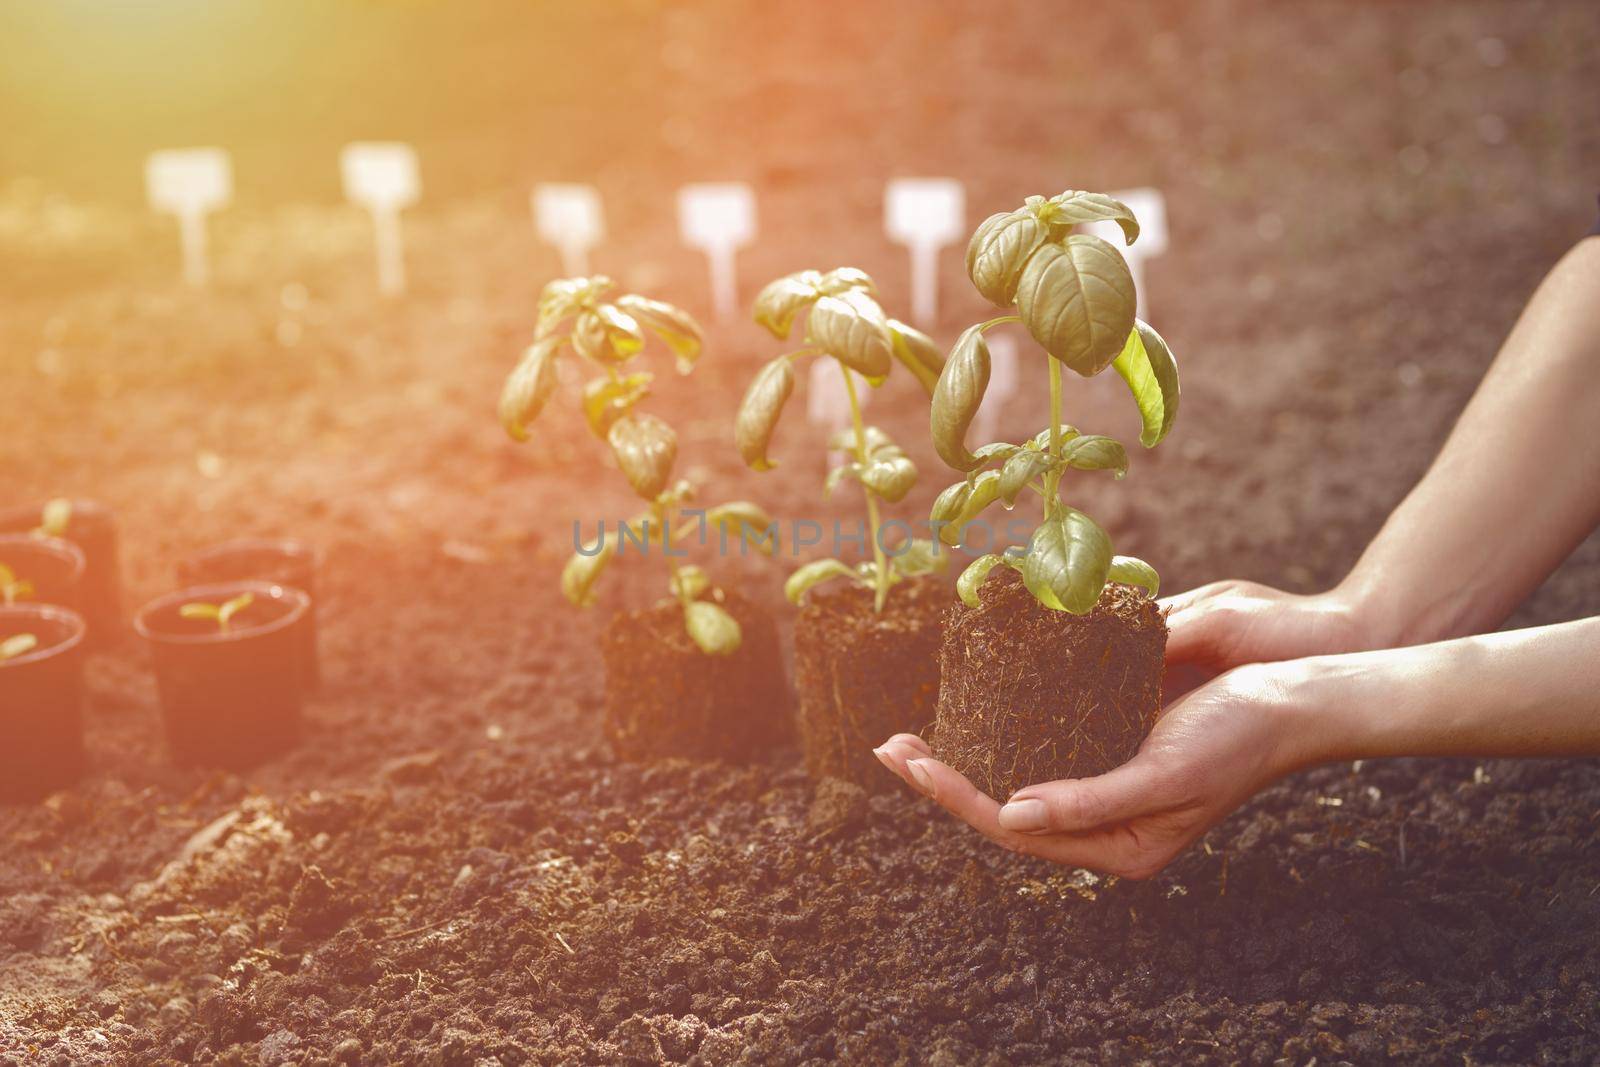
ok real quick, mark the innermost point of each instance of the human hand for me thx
(1209, 753)
(1223, 625)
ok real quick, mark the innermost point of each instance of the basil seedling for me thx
(12, 588)
(223, 613)
(1073, 292)
(844, 323)
(54, 518)
(575, 314)
(16, 645)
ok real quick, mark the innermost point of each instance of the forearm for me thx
(1533, 692)
(1516, 486)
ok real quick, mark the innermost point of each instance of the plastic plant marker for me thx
(568, 215)
(925, 214)
(381, 176)
(190, 183)
(1002, 384)
(1151, 208)
(828, 403)
(719, 218)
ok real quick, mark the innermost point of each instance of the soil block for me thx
(280, 561)
(41, 702)
(93, 529)
(228, 698)
(1031, 695)
(861, 675)
(664, 697)
(53, 567)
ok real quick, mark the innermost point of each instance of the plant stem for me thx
(881, 582)
(1001, 321)
(658, 514)
(1052, 480)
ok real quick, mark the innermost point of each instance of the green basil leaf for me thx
(759, 410)
(1075, 206)
(1041, 440)
(579, 575)
(997, 452)
(839, 474)
(675, 327)
(844, 279)
(645, 448)
(919, 556)
(957, 397)
(1146, 364)
(689, 581)
(889, 473)
(743, 519)
(984, 490)
(55, 517)
(814, 573)
(199, 610)
(1021, 469)
(1131, 571)
(972, 578)
(606, 334)
(948, 504)
(1094, 452)
(564, 298)
(528, 388)
(783, 299)
(17, 644)
(1000, 247)
(917, 353)
(1067, 562)
(605, 400)
(1076, 299)
(852, 328)
(713, 629)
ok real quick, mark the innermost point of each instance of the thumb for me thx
(1080, 804)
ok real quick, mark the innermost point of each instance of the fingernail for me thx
(921, 776)
(1023, 815)
(883, 758)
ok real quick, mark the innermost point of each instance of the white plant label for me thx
(1150, 208)
(569, 216)
(719, 218)
(925, 215)
(190, 183)
(1002, 385)
(381, 176)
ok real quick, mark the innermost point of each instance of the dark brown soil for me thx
(1033, 695)
(861, 676)
(665, 697)
(452, 866)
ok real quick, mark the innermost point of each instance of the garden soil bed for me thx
(452, 869)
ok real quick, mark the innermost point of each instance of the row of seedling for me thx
(234, 648)
(1045, 663)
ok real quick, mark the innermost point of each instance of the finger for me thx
(953, 792)
(1079, 805)
(1190, 597)
(895, 752)
(1196, 635)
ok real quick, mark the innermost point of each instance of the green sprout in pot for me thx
(1053, 668)
(17, 645)
(222, 613)
(866, 664)
(844, 323)
(1074, 294)
(578, 316)
(54, 518)
(13, 588)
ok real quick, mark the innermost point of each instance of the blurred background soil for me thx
(452, 869)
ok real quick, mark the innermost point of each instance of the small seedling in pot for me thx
(13, 588)
(866, 665)
(575, 314)
(844, 323)
(664, 695)
(1074, 294)
(223, 613)
(1022, 716)
(17, 645)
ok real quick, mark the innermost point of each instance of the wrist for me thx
(1312, 712)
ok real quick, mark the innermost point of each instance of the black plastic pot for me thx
(228, 698)
(94, 530)
(283, 562)
(53, 567)
(41, 702)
